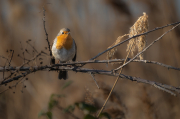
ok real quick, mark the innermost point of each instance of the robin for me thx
(64, 49)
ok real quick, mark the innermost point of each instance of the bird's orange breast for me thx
(64, 40)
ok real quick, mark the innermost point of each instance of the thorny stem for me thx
(50, 52)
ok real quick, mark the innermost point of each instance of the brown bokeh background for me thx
(94, 25)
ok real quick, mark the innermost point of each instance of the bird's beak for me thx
(68, 33)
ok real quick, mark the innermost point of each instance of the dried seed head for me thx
(111, 52)
(139, 27)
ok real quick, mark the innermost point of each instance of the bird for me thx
(64, 49)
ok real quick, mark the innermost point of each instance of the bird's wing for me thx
(74, 58)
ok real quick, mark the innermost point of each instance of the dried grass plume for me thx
(139, 43)
(140, 26)
(111, 52)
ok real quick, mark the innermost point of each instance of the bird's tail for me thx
(62, 75)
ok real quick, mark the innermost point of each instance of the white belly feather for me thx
(62, 54)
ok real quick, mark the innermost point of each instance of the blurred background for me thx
(95, 25)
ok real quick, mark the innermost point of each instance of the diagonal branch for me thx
(157, 28)
(146, 48)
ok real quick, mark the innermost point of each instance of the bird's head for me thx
(64, 31)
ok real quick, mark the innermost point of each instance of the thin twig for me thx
(10, 62)
(4, 90)
(7, 60)
(4, 57)
(114, 85)
(23, 58)
(32, 46)
(95, 80)
(11, 57)
(50, 52)
(163, 89)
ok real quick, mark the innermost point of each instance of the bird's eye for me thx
(62, 32)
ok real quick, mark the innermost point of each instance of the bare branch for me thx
(8, 68)
(163, 89)
(93, 71)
